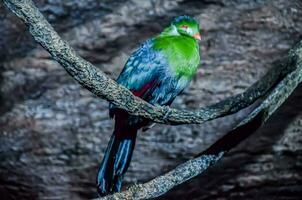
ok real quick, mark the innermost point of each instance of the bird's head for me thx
(186, 25)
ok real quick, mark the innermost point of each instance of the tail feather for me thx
(116, 160)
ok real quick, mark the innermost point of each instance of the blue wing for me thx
(142, 69)
(148, 75)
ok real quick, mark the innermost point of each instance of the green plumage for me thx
(159, 70)
(182, 53)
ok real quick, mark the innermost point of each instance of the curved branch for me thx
(160, 185)
(277, 85)
(214, 153)
(102, 86)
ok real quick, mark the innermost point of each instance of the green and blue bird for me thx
(159, 70)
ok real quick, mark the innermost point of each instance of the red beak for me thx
(197, 36)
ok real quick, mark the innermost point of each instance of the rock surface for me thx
(53, 132)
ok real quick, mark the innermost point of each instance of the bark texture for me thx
(104, 87)
(248, 126)
(53, 132)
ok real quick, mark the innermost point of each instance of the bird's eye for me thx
(185, 27)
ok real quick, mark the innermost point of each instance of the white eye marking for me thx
(189, 30)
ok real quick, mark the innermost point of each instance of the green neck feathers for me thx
(181, 51)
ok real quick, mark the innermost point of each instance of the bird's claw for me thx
(167, 112)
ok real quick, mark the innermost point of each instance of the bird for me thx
(159, 70)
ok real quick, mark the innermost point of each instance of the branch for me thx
(276, 85)
(214, 153)
(164, 183)
(104, 87)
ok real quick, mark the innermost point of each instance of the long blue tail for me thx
(116, 159)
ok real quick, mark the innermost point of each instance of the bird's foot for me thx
(167, 112)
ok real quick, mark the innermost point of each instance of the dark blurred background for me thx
(53, 132)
